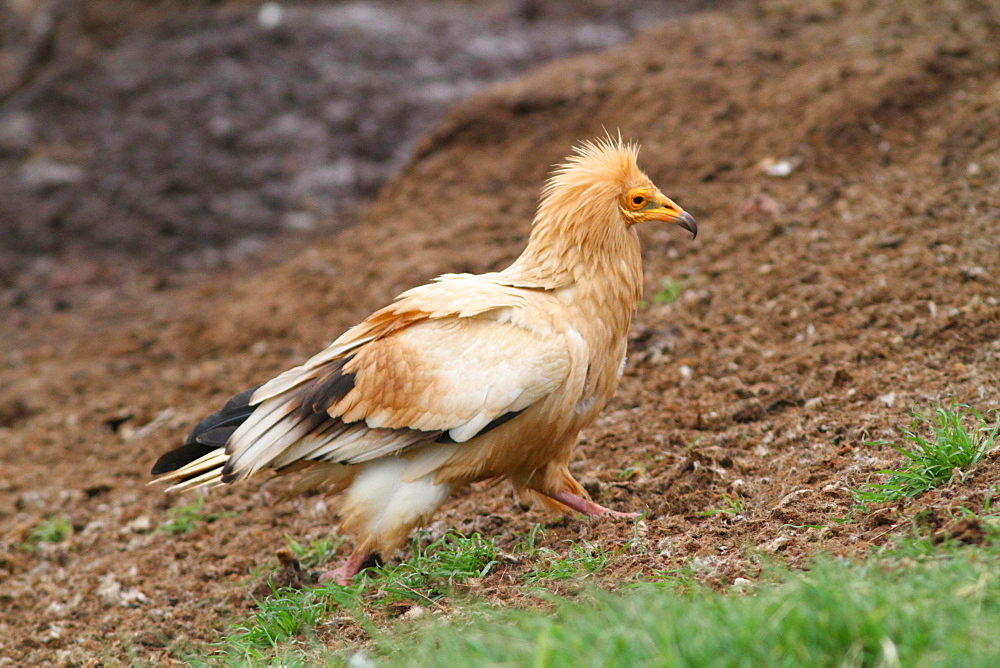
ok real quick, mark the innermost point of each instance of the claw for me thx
(586, 506)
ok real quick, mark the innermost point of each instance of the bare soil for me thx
(818, 308)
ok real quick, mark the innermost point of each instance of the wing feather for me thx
(444, 363)
(455, 375)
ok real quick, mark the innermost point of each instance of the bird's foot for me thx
(343, 574)
(586, 506)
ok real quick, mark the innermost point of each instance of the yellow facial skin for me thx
(642, 204)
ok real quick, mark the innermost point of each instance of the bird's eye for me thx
(638, 200)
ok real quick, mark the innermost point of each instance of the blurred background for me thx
(142, 135)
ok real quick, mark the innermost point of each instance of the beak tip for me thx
(688, 222)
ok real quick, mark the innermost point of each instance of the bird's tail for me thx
(200, 460)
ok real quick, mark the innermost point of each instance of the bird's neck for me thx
(599, 274)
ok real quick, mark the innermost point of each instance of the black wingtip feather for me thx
(331, 388)
(209, 434)
(217, 437)
(179, 457)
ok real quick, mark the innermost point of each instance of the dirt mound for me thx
(842, 161)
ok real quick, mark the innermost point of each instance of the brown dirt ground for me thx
(817, 310)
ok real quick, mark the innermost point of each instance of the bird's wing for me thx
(449, 296)
(444, 363)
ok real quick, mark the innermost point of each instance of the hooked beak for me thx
(669, 212)
(688, 222)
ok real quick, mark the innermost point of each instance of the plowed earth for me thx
(817, 309)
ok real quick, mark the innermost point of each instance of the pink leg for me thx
(582, 505)
(342, 574)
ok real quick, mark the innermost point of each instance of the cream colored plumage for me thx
(468, 378)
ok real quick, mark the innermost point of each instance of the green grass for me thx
(936, 608)
(284, 623)
(926, 601)
(432, 571)
(668, 292)
(734, 506)
(581, 560)
(584, 558)
(943, 446)
(50, 530)
(184, 519)
(317, 553)
(282, 616)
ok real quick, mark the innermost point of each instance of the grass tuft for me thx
(316, 553)
(584, 559)
(943, 447)
(734, 506)
(433, 570)
(281, 616)
(668, 292)
(50, 530)
(283, 625)
(184, 519)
